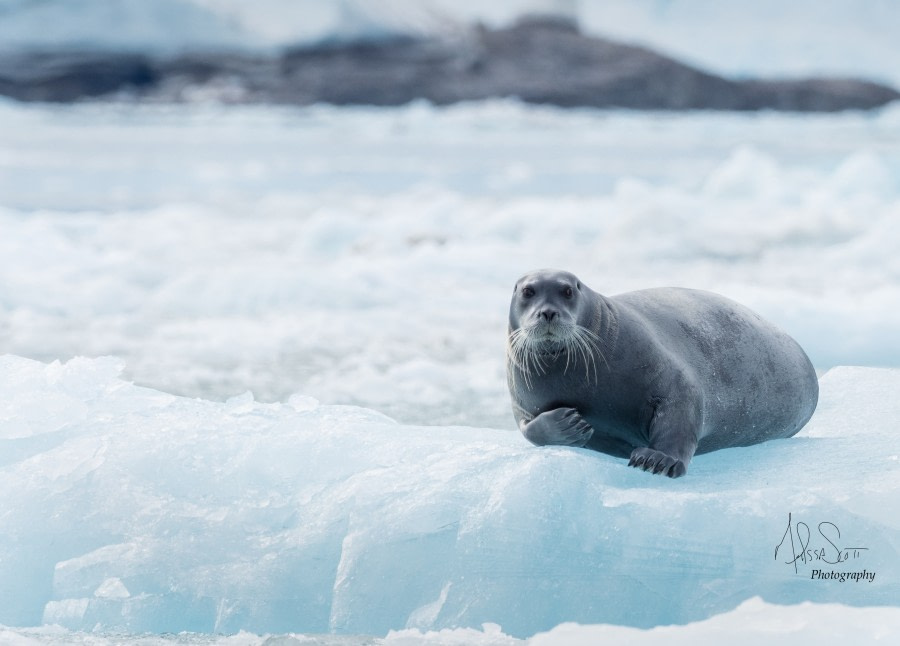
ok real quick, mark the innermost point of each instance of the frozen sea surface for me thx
(130, 510)
(366, 256)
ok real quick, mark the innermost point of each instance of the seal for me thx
(655, 375)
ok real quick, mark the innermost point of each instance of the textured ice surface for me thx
(126, 509)
(366, 256)
(751, 623)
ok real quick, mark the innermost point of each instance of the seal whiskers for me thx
(532, 353)
(590, 346)
(523, 352)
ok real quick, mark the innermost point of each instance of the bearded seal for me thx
(655, 375)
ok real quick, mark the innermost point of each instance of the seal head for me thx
(551, 318)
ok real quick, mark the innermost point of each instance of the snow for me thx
(366, 256)
(753, 622)
(131, 510)
(750, 623)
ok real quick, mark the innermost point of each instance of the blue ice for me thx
(128, 509)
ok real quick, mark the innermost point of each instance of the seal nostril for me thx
(548, 315)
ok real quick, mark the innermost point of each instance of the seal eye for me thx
(568, 293)
(527, 292)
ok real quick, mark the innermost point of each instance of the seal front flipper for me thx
(560, 426)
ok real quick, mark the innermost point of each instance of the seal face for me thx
(655, 375)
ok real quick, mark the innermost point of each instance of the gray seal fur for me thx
(655, 375)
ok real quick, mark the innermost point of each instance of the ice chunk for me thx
(865, 173)
(112, 589)
(149, 512)
(747, 173)
(753, 622)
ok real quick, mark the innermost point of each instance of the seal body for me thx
(655, 375)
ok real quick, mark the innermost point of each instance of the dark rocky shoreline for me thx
(544, 61)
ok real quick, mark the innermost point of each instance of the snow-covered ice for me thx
(753, 622)
(127, 509)
(366, 256)
(277, 282)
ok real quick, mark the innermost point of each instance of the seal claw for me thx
(657, 462)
